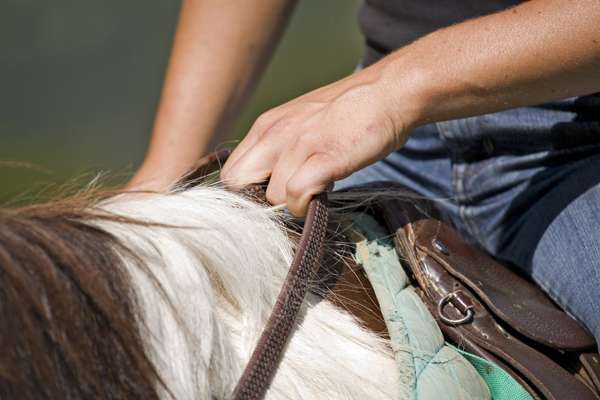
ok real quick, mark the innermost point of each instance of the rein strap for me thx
(259, 372)
(267, 354)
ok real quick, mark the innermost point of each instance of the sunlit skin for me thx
(220, 49)
(539, 51)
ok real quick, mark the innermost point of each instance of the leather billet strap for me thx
(265, 358)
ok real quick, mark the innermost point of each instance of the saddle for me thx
(486, 308)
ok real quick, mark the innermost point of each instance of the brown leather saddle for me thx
(485, 307)
(482, 306)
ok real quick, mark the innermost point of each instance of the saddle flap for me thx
(548, 379)
(512, 298)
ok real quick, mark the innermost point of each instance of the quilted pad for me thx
(430, 368)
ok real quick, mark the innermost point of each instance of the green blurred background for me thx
(80, 81)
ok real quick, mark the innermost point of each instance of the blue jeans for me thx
(523, 184)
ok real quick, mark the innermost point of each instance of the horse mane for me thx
(67, 307)
(154, 296)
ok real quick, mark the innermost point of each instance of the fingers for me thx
(259, 128)
(254, 160)
(271, 127)
(313, 177)
(287, 165)
(297, 173)
(253, 166)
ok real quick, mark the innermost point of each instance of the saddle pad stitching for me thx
(393, 297)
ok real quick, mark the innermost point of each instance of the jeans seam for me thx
(459, 173)
(473, 228)
(464, 211)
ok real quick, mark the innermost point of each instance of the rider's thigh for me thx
(561, 252)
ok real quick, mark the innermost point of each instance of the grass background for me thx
(80, 82)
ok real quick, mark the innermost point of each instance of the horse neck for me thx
(330, 356)
(217, 284)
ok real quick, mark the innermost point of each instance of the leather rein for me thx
(267, 354)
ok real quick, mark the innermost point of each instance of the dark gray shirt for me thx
(390, 24)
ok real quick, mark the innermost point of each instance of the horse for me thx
(164, 296)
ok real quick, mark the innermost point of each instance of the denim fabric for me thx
(523, 184)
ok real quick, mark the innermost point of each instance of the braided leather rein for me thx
(267, 354)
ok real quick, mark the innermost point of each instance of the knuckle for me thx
(264, 119)
(273, 196)
(277, 127)
(307, 140)
(263, 123)
(295, 188)
(280, 124)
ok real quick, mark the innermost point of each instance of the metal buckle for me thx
(450, 298)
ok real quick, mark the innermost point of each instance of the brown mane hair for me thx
(68, 322)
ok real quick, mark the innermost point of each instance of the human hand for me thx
(325, 135)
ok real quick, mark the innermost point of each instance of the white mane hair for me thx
(220, 270)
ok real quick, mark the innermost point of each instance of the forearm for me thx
(539, 51)
(219, 50)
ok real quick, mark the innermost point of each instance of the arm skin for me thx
(538, 51)
(220, 49)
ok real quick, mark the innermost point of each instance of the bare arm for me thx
(538, 51)
(220, 48)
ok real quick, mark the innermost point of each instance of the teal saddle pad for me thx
(502, 386)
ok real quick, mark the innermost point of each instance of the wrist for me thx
(415, 89)
(404, 87)
(158, 173)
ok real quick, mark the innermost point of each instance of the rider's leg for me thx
(422, 165)
(556, 240)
